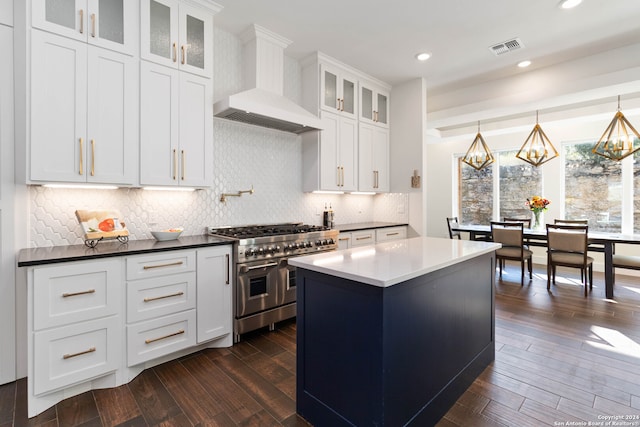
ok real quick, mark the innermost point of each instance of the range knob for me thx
(276, 249)
(331, 241)
(269, 250)
(309, 244)
(260, 251)
(318, 243)
(249, 252)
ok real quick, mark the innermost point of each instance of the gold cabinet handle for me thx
(338, 176)
(170, 264)
(363, 238)
(93, 25)
(392, 234)
(228, 270)
(81, 168)
(175, 164)
(184, 49)
(342, 239)
(342, 104)
(342, 175)
(80, 353)
(183, 165)
(152, 340)
(81, 21)
(93, 157)
(175, 53)
(177, 294)
(73, 294)
(338, 104)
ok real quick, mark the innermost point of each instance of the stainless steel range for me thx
(265, 283)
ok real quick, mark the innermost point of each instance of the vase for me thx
(537, 220)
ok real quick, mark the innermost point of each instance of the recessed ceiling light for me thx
(423, 56)
(524, 64)
(569, 4)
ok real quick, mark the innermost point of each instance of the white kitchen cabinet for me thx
(176, 127)
(178, 35)
(214, 278)
(374, 104)
(7, 203)
(338, 91)
(83, 112)
(161, 303)
(391, 233)
(6, 12)
(330, 156)
(373, 158)
(111, 24)
(74, 325)
(370, 236)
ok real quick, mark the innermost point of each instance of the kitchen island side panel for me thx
(400, 355)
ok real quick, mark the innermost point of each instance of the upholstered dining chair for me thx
(625, 261)
(509, 234)
(567, 247)
(525, 221)
(571, 221)
(451, 223)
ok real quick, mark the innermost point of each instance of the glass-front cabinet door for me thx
(374, 104)
(338, 91)
(106, 23)
(177, 35)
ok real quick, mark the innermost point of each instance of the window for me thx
(593, 188)
(475, 194)
(518, 181)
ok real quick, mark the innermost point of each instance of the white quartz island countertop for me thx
(389, 263)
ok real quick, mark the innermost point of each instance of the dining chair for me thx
(629, 262)
(510, 235)
(571, 221)
(525, 221)
(451, 223)
(567, 247)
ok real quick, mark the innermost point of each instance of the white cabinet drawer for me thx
(144, 266)
(159, 296)
(391, 233)
(155, 338)
(364, 237)
(75, 353)
(70, 293)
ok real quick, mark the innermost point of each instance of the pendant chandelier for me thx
(478, 155)
(616, 143)
(537, 149)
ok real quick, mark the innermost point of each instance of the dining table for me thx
(598, 242)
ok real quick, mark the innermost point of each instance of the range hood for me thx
(263, 103)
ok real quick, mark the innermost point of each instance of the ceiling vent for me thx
(506, 47)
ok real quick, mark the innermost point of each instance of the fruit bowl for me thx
(167, 234)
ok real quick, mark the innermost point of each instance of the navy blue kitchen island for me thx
(392, 334)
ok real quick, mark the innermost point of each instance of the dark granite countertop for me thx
(55, 254)
(366, 225)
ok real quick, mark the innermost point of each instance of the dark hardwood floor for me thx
(560, 358)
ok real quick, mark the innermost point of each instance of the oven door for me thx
(286, 283)
(257, 284)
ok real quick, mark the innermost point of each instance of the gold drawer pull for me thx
(149, 267)
(73, 294)
(177, 294)
(81, 168)
(152, 340)
(81, 21)
(93, 157)
(343, 239)
(363, 238)
(69, 356)
(392, 234)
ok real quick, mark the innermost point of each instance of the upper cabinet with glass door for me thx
(338, 91)
(178, 35)
(111, 24)
(374, 104)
